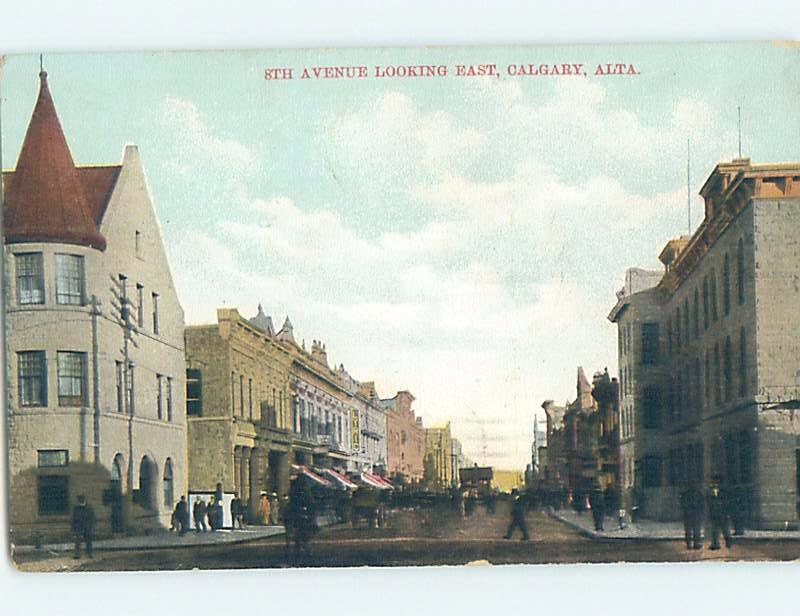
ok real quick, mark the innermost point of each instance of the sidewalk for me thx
(653, 531)
(164, 540)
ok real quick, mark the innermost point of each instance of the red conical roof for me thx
(45, 200)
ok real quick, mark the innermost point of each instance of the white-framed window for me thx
(32, 378)
(71, 378)
(30, 277)
(70, 283)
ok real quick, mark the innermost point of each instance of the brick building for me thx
(583, 439)
(710, 385)
(94, 344)
(405, 439)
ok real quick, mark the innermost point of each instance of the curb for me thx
(611, 538)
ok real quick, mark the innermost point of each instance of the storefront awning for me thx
(341, 479)
(304, 470)
(374, 481)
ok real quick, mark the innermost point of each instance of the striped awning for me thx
(374, 481)
(304, 470)
(341, 479)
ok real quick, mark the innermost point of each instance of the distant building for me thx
(583, 439)
(709, 355)
(94, 346)
(405, 439)
(440, 463)
(506, 480)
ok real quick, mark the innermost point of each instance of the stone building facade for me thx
(405, 439)
(717, 356)
(95, 354)
(440, 457)
(239, 408)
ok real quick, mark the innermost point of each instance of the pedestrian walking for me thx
(237, 514)
(692, 507)
(199, 513)
(83, 527)
(300, 518)
(518, 510)
(182, 516)
(718, 516)
(264, 509)
(211, 513)
(597, 504)
(274, 509)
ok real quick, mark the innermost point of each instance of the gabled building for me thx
(94, 341)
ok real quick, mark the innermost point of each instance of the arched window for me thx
(726, 285)
(705, 302)
(169, 492)
(147, 478)
(708, 380)
(687, 333)
(696, 313)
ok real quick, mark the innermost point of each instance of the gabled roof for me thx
(48, 199)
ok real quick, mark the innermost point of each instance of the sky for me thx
(462, 238)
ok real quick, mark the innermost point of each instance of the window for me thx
(53, 494)
(678, 327)
(194, 392)
(169, 398)
(155, 313)
(649, 343)
(698, 395)
(726, 285)
(30, 278)
(717, 376)
(705, 302)
(140, 305)
(131, 397)
(652, 407)
(32, 377)
(740, 271)
(159, 396)
(69, 280)
(233, 393)
(708, 380)
(728, 369)
(714, 311)
(651, 469)
(250, 397)
(742, 362)
(241, 395)
(686, 333)
(169, 491)
(669, 336)
(696, 313)
(120, 401)
(50, 458)
(71, 378)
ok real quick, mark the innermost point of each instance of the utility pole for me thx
(95, 312)
(123, 313)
